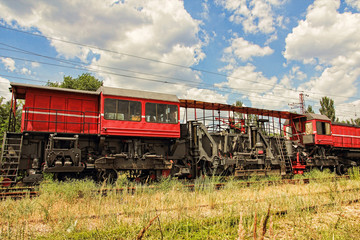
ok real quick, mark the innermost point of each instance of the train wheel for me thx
(109, 176)
(206, 169)
(341, 169)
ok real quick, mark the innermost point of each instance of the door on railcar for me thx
(323, 133)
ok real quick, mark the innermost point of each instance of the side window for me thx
(110, 108)
(323, 128)
(161, 113)
(173, 113)
(308, 128)
(150, 112)
(122, 110)
(327, 129)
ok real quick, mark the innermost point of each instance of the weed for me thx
(354, 173)
(72, 210)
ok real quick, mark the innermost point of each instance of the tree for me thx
(310, 109)
(327, 108)
(238, 104)
(83, 82)
(355, 121)
(4, 117)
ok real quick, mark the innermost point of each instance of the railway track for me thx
(277, 212)
(18, 195)
(21, 192)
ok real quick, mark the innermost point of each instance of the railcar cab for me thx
(138, 113)
(317, 130)
(310, 129)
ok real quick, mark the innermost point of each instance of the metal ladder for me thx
(10, 158)
(283, 156)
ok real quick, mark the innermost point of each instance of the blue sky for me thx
(261, 52)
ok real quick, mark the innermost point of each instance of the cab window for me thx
(115, 109)
(323, 128)
(308, 128)
(161, 113)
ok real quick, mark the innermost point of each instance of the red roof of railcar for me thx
(186, 103)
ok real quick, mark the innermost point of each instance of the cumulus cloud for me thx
(25, 71)
(329, 40)
(347, 111)
(160, 29)
(205, 8)
(245, 79)
(254, 15)
(272, 99)
(244, 50)
(35, 64)
(9, 64)
(205, 95)
(353, 3)
(296, 73)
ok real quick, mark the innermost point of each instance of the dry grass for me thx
(72, 211)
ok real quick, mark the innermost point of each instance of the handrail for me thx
(62, 116)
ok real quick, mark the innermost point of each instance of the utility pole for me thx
(300, 104)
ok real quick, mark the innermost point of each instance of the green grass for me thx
(72, 210)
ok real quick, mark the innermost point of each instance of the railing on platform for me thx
(60, 120)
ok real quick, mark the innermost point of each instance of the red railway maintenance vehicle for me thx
(74, 133)
(324, 144)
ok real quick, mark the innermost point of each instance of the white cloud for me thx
(245, 79)
(244, 50)
(205, 8)
(4, 89)
(296, 73)
(272, 38)
(254, 15)
(9, 63)
(205, 95)
(160, 29)
(35, 64)
(329, 40)
(353, 3)
(347, 111)
(25, 71)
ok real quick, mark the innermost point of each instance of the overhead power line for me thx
(189, 83)
(138, 57)
(147, 59)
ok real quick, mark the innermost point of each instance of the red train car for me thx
(325, 143)
(109, 111)
(49, 109)
(316, 129)
(139, 113)
(345, 136)
(63, 131)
